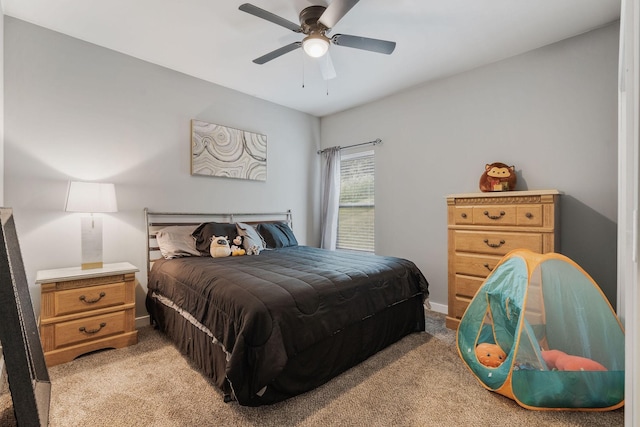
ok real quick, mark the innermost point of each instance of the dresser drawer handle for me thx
(487, 267)
(529, 215)
(92, 301)
(494, 245)
(502, 213)
(92, 331)
(463, 215)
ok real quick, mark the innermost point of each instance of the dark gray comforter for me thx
(266, 309)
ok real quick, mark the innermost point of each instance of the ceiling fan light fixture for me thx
(315, 45)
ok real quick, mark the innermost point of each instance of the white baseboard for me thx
(439, 308)
(143, 321)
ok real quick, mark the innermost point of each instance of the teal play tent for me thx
(563, 342)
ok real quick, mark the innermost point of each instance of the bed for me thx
(275, 324)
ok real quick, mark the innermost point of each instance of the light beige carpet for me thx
(419, 381)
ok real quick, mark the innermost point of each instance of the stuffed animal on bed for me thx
(556, 359)
(498, 177)
(219, 247)
(490, 355)
(236, 248)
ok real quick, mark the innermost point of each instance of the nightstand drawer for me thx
(88, 298)
(495, 243)
(89, 328)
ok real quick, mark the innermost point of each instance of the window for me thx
(357, 207)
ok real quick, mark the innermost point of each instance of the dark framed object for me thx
(24, 359)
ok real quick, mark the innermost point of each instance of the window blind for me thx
(357, 205)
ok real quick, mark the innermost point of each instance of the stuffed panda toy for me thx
(219, 247)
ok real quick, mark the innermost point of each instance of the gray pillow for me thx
(276, 235)
(176, 241)
(251, 240)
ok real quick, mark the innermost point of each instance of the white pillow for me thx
(251, 240)
(176, 241)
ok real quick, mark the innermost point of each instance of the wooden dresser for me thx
(483, 227)
(86, 310)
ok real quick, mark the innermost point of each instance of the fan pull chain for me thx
(326, 60)
(302, 70)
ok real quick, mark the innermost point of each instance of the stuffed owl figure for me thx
(220, 247)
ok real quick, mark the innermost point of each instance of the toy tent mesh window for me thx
(563, 341)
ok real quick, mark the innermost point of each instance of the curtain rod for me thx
(374, 142)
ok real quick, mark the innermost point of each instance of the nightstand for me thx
(86, 310)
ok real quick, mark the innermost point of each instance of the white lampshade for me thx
(91, 197)
(315, 45)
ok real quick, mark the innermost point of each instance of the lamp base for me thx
(91, 227)
(91, 265)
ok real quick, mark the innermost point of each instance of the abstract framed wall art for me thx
(218, 150)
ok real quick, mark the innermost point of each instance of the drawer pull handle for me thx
(464, 215)
(487, 267)
(502, 213)
(92, 331)
(92, 301)
(529, 215)
(494, 245)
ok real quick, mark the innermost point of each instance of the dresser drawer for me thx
(495, 243)
(529, 216)
(494, 215)
(526, 216)
(89, 328)
(460, 306)
(463, 215)
(466, 287)
(88, 298)
(475, 265)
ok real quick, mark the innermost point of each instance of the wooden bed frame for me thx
(158, 220)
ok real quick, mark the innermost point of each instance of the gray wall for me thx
(551, 112)
(76, 111)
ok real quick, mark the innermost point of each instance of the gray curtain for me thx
(330, 197)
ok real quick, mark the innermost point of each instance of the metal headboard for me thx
(156, 221)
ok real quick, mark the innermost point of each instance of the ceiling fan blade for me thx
(326, 67)
(364, 43)
(335, 11)
(278, 52)
(261, 13)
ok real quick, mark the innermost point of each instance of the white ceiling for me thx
(214, 41)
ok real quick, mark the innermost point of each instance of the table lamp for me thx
(91, 197)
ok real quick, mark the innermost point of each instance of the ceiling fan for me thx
(316, 22)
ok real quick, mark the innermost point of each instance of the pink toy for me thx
(556, 359)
